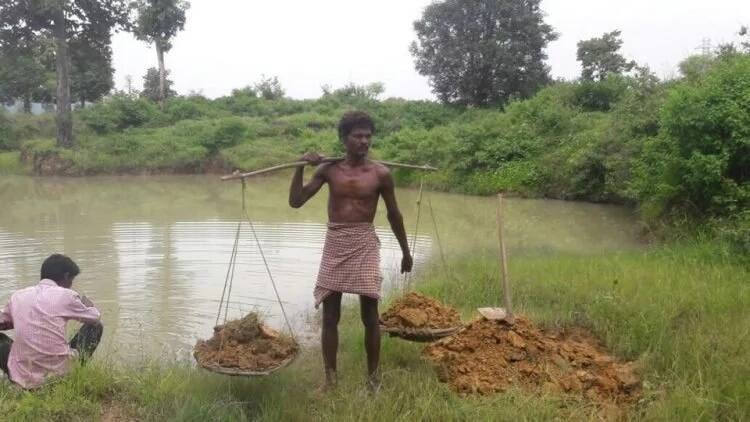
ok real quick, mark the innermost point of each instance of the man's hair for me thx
(55, 267)
(354, 120)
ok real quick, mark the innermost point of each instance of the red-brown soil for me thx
(490, 356)
(245, 344)
(415, 310)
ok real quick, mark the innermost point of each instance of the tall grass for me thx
(10, 163)
(679, 311)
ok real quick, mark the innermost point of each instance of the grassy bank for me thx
(10, 163)
(680, 311)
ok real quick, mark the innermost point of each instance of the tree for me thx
(745, 34)
(64, 19)
(370, 91)
(152, 85)
(23, 73)
(158, 22)
(694, 67)
(600, 57)
(482, 52)
(91, 68)
(269, 88)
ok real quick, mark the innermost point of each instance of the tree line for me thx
(475, 53)
(60, 50)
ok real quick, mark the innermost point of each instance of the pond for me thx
(154, 250)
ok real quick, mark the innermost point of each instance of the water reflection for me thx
(155, 251)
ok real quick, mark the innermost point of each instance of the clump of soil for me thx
(245, 344)
(489, 356)
(415, 310)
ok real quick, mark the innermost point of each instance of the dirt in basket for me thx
(415, 310)
(245, 344)
(490, 356)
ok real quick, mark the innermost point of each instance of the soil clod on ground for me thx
(245, 344)
(490, 356)
(415, 310)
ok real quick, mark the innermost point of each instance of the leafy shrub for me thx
(601, 95)
(700, 165)
(120, 112)
(258, 154)
(226, 133)
(7, 137)
(184, 108)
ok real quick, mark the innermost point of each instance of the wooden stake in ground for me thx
(501, 313)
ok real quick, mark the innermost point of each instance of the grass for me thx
(10, 163)
(680, 311)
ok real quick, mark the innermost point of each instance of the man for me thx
(38, 315)
(351, 255)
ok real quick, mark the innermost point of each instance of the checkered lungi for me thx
(350, 262)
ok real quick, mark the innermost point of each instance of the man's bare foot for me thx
(328, 386)
(374, 383)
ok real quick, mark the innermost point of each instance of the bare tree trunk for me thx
(162, 72)
(27, 104)
(64, 117)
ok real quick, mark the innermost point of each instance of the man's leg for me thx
(371, 320)
(330, 335)
(5, 345)
(87, 339)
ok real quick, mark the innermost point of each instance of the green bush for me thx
(7, 137)
(602, 95)
(258, 154)
(226, 133)
(120, 112)
(700, 165)
(192, 107)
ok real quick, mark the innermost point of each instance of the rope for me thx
(229, 279)
(230, 272)
(437, 235)
(416, 229)
(265, 263)
(270, 276)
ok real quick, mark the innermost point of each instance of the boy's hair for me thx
(353, 120)
(55, 267)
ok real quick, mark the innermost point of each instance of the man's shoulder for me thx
(380, 169)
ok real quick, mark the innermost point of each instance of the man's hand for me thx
(313, 158)
(86, 301)
(406, 264)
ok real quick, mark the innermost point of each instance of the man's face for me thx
(357, 142)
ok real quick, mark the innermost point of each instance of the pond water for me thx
(154, 251)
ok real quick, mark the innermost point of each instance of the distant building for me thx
(36, 108)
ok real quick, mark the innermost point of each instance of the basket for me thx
(423, 335)
(237, 372)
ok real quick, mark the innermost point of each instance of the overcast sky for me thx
(228, 44)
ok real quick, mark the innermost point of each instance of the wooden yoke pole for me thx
(325, 160)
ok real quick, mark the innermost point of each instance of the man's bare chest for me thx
(354, 185)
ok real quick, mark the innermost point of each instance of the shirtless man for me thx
(351, 254)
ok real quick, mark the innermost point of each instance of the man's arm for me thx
(396, 220)
(6, 320)
(299, 193)
(81, 309)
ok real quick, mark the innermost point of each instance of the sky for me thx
(229, 44)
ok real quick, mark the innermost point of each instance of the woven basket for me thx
(419, 334)
(247, 372)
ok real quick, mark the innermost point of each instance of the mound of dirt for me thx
(245, 344)
(416, 310)
(489, 356)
